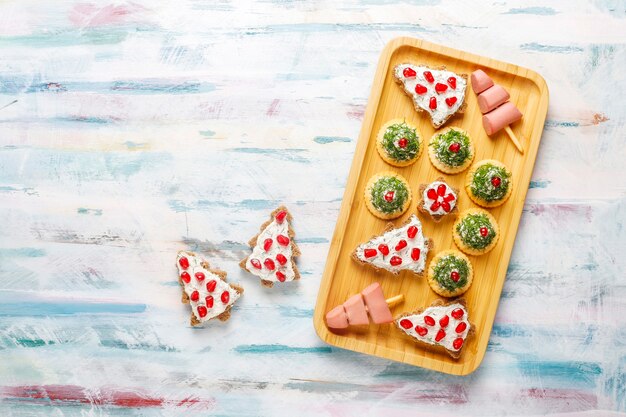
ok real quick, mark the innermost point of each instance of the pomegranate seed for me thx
(458, 343)
(384, 249)
(281, 259)
(415, 254)
(183, 262)
(401, 245)
(210, 286)
(457, 313)
(185, 277)
(449, 198)
(460, 328)
(454, 147)
(440, 335)
(225, 297)
(406, 323)
(441, 190)
(484, 231)
(452, 82)
(389, 196)
(200, 276)
(433, 103)
(429, 320)
(403, 142)
(195, 296)
(370, 253)
(282, 240)
(209, 301)
(429, 76)
(395, 261)
(202, 311)
(446, 206)
(434, 206)
(431, 193)
(450, 101)
(280, 276)
(454, 276)
(256, 263)
(409, 72)
(267, 244)
(420, 89)
(269, 264)
(443, 322)
(422, 331)
(280, 216)
(440, 88)
(496, 181)
(411, 232)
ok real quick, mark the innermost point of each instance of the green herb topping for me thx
(389, 194)
(442, 272)
(401, 142)
(476, 231)
(452, 148)
(490, 182)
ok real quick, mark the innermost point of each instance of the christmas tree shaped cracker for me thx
(274, 250)
(205, 289)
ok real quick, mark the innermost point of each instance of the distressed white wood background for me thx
(132, 130)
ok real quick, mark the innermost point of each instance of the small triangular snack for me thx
(274, 250)
(398, 249)
(438, 92)
(205, 289)
(441, 326)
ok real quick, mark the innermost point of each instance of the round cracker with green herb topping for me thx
(489, 183)
(399, 143)
(387, 195)
(450, 273)
(451, 150)
(476, 231)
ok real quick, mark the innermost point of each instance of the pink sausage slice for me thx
(492, 98)
(356, 310)
(480, 81)
(376, 304)
(499, 118)
(337, 318)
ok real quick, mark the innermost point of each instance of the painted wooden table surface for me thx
(129, 131)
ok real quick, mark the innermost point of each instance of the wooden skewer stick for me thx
(514, 139)
(392, 301)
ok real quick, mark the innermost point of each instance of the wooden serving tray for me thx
(344, 277)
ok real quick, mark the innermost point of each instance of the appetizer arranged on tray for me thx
(438, 199)
(399, 143)
(489, 183)
(441, 326)
(274, 250)
(475, 232)
(355, 310)
(398, 249)
(438, 92)
(387, 195)
(493, 102)
(451, 150)
(450, 273)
